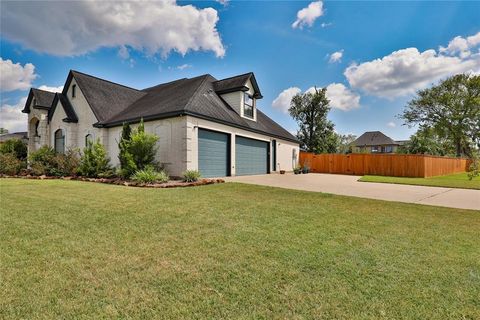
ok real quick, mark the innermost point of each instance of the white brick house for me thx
(204, 124)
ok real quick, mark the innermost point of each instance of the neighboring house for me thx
(375, 142)
(204, 124)
(16, 135)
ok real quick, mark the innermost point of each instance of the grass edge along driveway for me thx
(73, 249)
(458, 180)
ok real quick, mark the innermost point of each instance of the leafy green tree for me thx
(316, 132)
(94, 161)
(427, 141)
(15, 146)
(451, 109)
(345, 143)
(3, 131)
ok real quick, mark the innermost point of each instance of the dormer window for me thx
(248, 105)
(74, 89)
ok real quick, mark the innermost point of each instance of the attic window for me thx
(74, 89)
(248, 105)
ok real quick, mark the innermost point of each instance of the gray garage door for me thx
(251, 156)
(213, 153)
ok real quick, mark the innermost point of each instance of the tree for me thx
(426, 141)
(316, 133)
(345, 143)
(3, 131)
(451, 109)
(15, 146)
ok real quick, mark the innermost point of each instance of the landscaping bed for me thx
(122, 182)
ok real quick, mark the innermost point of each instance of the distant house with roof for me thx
(15, 135)
(205, 124)
(375, 142)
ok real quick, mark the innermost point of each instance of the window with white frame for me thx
(248, 105)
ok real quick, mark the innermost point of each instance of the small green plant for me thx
(297, 170)
(94, 161)
(191, 176)
(474, 169)
(10, 164)
(16, 147)
(150, 175)
(45, 161)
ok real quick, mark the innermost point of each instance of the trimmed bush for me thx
(191, 176)
(94, 162)
(127, 164)
(10, 164)
(150, 175)
(15, 146)
(45, 161)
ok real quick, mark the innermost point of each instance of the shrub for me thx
(191, 175)
(15, 146)
(142, 147)
(94, 161)
(150, 175)
(45, 161)
(127, 164)
(137, 149)
(10, 164)
(474, 169)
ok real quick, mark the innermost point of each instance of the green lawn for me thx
(71, 249)
(459, 180)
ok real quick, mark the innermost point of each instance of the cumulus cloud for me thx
(84, 26)
(14, 76)
(391, 124)
(12, 118)
(51, 89)
(282, 102)
(336, 57)
(461, 46)
(342, 98)
(404, 71)
(339, 95)
(308, 15)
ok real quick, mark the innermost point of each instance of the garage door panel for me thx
(251, 156)
(213, 153)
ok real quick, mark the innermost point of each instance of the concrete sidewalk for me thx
(349, 186)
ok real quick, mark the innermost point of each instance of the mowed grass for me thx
(459, 180)
(78, 250)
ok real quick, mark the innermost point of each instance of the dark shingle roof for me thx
(67, 107)
(373, 138)
(197, 97)
(104, 97)
(15, 135)
(237, 83)
(43, 99)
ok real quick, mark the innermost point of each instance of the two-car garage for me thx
(251, 156)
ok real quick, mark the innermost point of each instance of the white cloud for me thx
(342, 98)
(391, 124)
(224, 2)
(325, 24)
(336, 56)
(51, 89)
(308, 15)
(461, 46)
(12, 118)
(14, 76)
(404, 71)
(282, 102)
(184, 66)
(123, 52)
(79, 27)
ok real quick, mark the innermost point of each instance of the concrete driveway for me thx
(349, 186)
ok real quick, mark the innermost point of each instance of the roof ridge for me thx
(105, 80)
(238, 75)
(205, 76)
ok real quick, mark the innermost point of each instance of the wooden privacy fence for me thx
(394, 165)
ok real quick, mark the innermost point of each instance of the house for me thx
(15, 135)
(375, 142)
(205, 124)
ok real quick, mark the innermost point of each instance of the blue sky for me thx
(371, 56)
